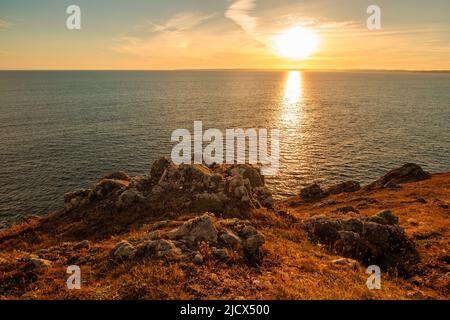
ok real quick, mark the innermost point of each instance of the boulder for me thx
(409, 172)
(344, 187)
(312, 193)
(196, 230)
(375, 240)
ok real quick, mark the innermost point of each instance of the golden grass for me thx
(291, 268)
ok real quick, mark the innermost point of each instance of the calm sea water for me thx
(60, 131)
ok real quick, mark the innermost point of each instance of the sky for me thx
(228, 34)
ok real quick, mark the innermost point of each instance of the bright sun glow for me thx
(297, 43)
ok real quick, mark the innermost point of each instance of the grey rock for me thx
(196, 230)
(312, 193)
(371, 240)
(124, 250)
(409, 172)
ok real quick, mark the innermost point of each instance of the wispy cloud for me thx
(239, 12)
(174, 33)
(182, 22)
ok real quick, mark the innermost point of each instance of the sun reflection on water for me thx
(292, 98)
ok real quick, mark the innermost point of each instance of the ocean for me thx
(63, 130)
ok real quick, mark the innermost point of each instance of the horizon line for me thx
(245, 69)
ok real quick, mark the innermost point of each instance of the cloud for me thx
(181, 22)
(239, 12)
(4, 24)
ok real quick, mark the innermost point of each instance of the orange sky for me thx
(195, 34)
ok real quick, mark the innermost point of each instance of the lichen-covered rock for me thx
(228, 190)
(372, 240)
(409, 172)
(195, 230)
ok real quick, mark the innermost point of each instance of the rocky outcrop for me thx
(375, 240)
(221, 235)
(225, 190)
(103, 189)
(409, 172)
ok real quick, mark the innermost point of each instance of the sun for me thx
(297, 43)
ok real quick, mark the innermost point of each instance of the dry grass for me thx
(291, 268)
